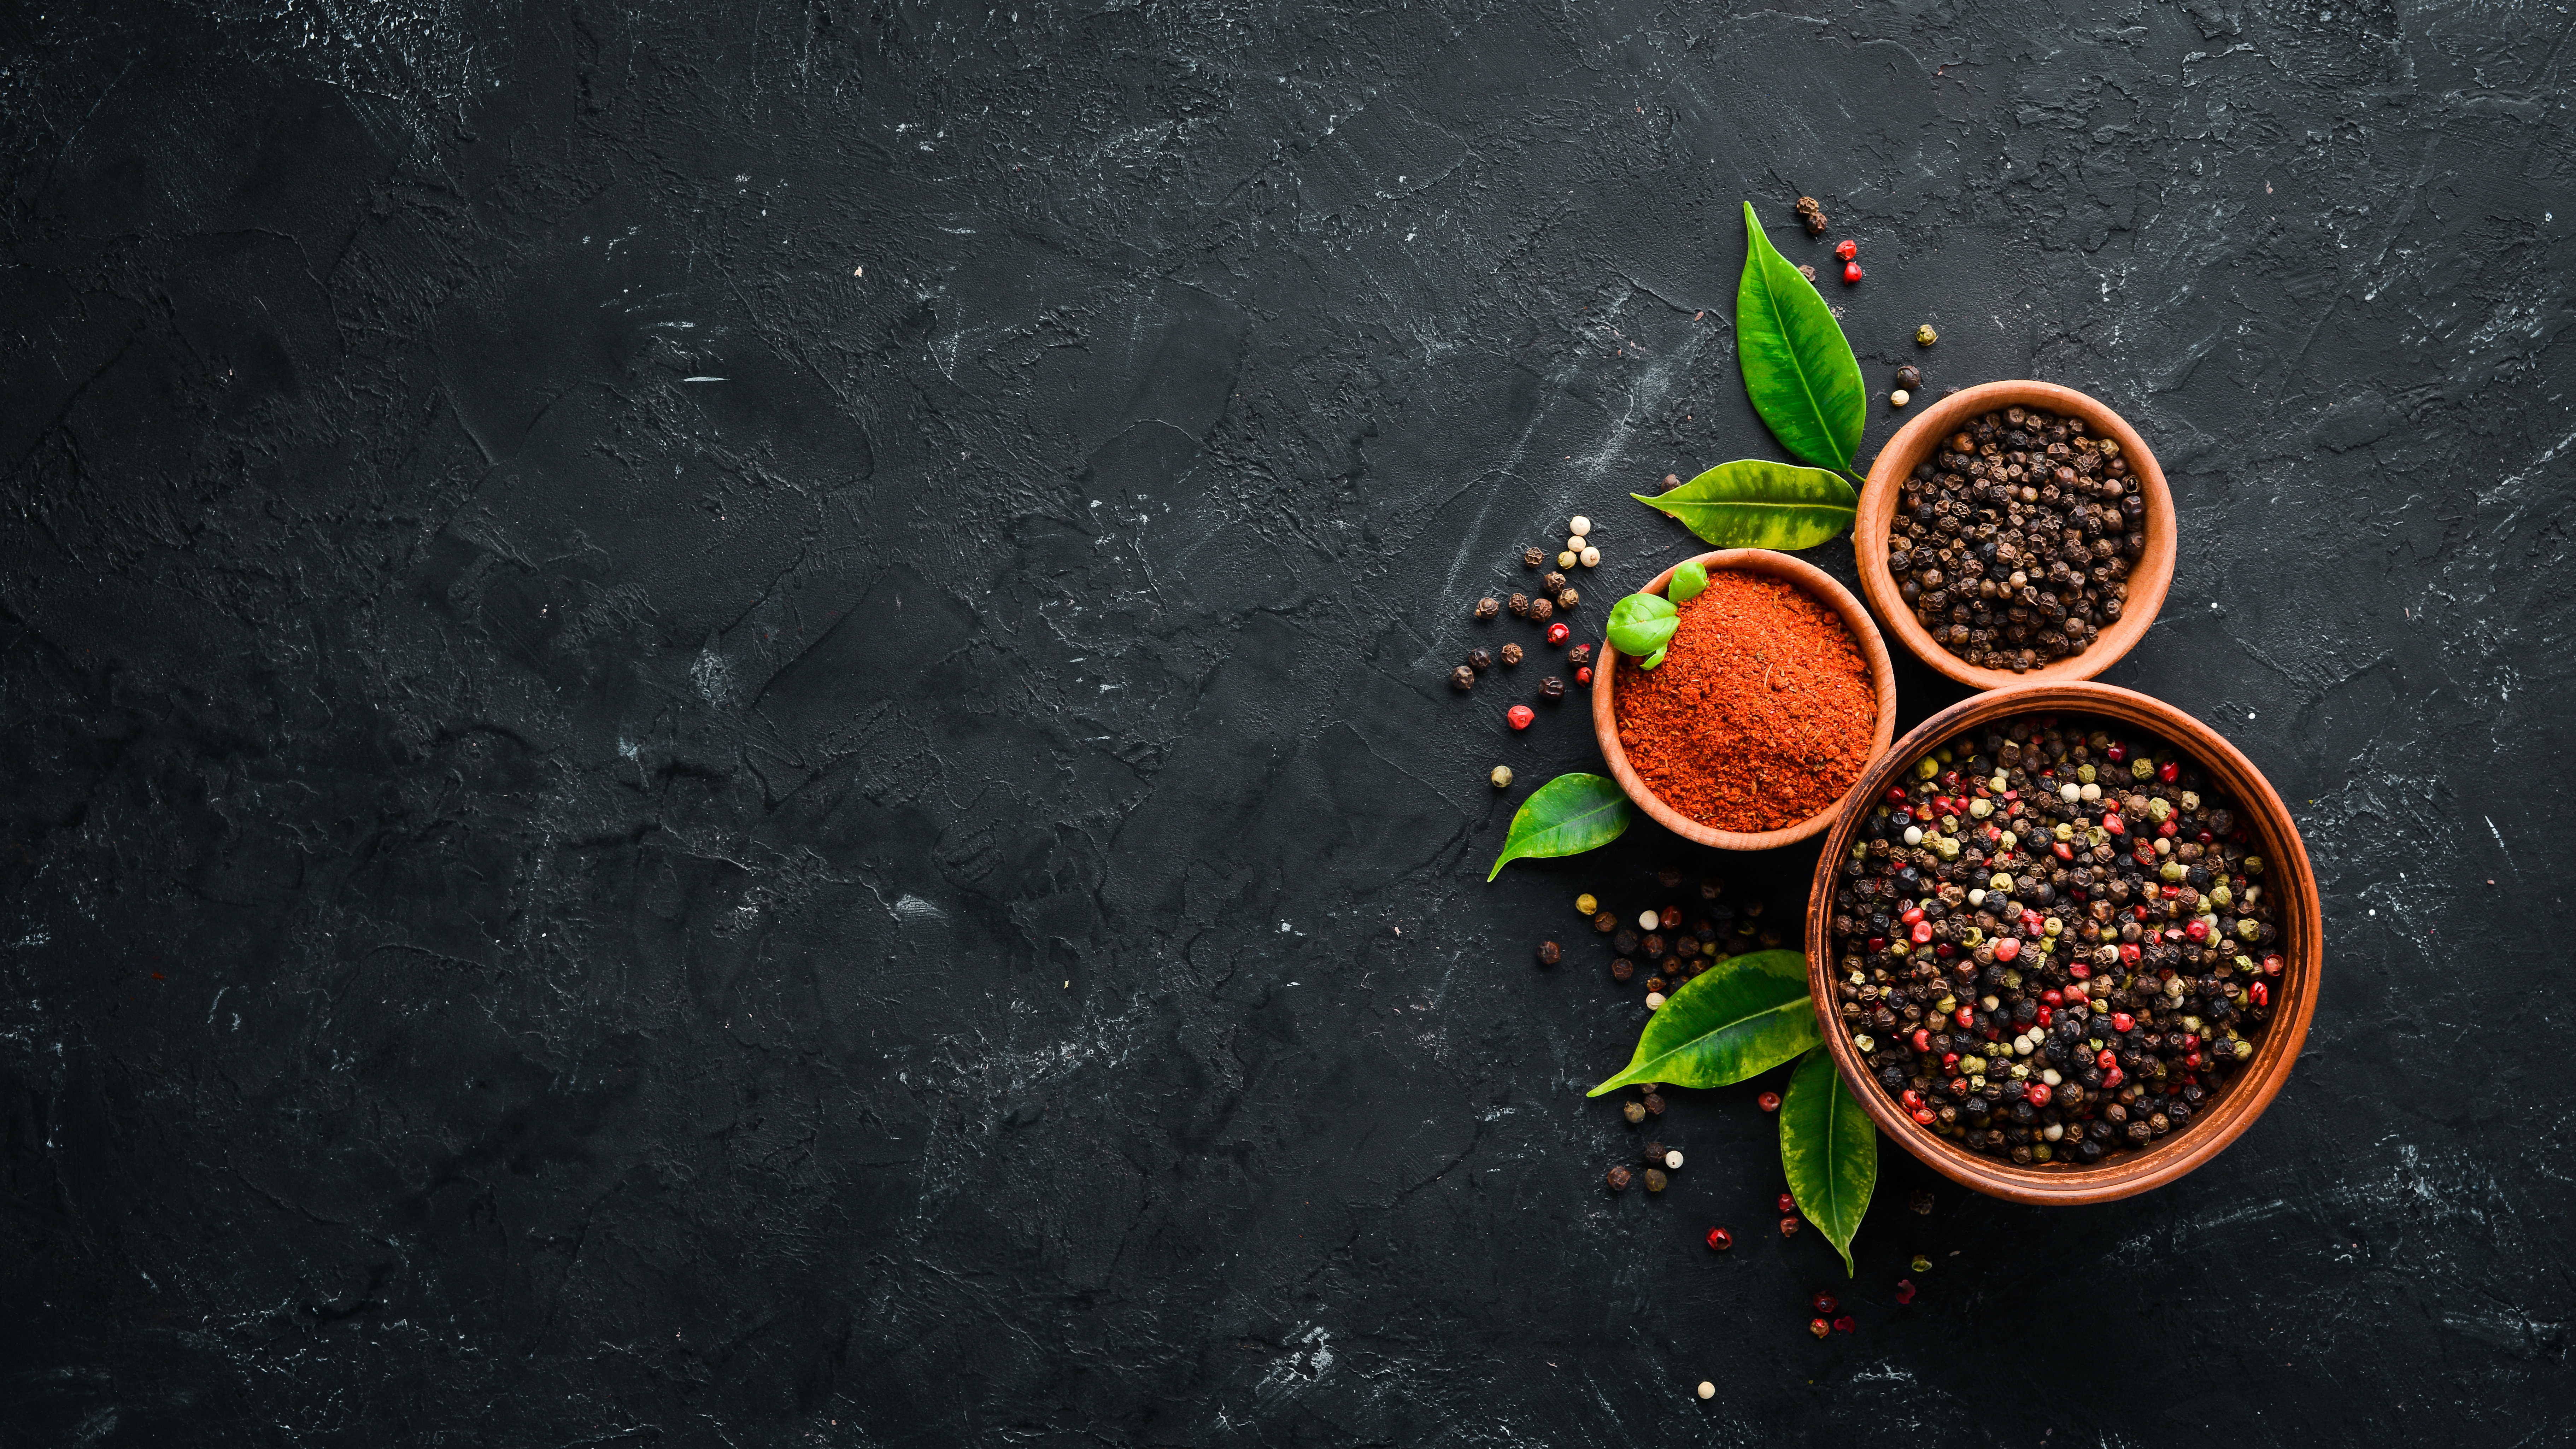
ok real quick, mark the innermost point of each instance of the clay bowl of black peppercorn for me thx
(2143, 1007)
(2016, 532)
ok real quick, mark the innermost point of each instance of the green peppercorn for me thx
(1924, 336)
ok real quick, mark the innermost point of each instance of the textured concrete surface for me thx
(724, 724)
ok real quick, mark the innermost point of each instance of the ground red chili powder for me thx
(1762, 713)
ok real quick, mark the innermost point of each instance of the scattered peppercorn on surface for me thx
(2053, 942)
(2012, 544)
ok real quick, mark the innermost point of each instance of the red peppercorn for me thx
(1520, 715)
(1922, 1040)
(1845, 251)
(1768, 1101)
(1719, 1240)
(1844, 1324)
(1967, 1016)
(2128, 953)
(1557, 633)
(1788, 1227)
(1788, 1204)
(2079, 970)
(2271, 965)
(1904, 1290)
(1825, 1303)
(2008, 948)
(2114, 825)
(1851, 273)
(2040, 1092)
(2118, 754)
(1924, 1117)
(2113, 1078)
(1896, 795)
(2171, 771)
(1922, 933)
(2107, 1061)
(1819, 1327)
(2122, 1021)
(2053, 997)
(1583, 675)
(2262, 993)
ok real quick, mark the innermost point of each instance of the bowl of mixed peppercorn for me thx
(2016, 532)
(2064, 943)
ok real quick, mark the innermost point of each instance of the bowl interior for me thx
(1873, 648)
(2149, 578)
(2287, 874)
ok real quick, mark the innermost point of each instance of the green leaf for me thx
(1756, 503)
(1652, 660)
(1731, 1021)
(1640, 623)
(1829, 1148)
(1566, 816)
(1797, 365)
(1689, 580)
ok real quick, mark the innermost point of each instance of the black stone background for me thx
(929, 891)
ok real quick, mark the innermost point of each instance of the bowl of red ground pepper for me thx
(2287, 994)
(1775, 695)
(1996, 511)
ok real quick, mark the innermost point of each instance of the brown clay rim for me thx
(2301, 946)
(2148, 579)
(1882, 678)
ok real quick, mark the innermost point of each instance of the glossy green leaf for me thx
(1829, 1148)
(1689, 580)
(1641, 623)
(1756, 503)
(1729, 1022)
(1798, 367)
(1566, 816)
(1651, 660)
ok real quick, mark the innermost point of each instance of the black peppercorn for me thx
(1635, 1112)
(1487, 608)
(1533, 557)
(1552, 582)
(1511, 654)
(1539, 610)
(1622, 969)
(1909, 377)
(1605, 923)
(1654, 1154)
(1579, 655)
(1625, 943)
(1549, 953)
(1480, 660)
(1551, 688)
(1655, 1103)
(1462, 677)
(1519, 605)
(1567, 598)
(1619, 1177)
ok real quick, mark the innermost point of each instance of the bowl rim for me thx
(1821, 585)
(2301, 947)
(2149, 581)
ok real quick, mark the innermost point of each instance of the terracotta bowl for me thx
(2301, 949)
(1915, 442)
(1882, 676)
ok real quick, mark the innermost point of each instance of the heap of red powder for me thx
(1762, 712)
